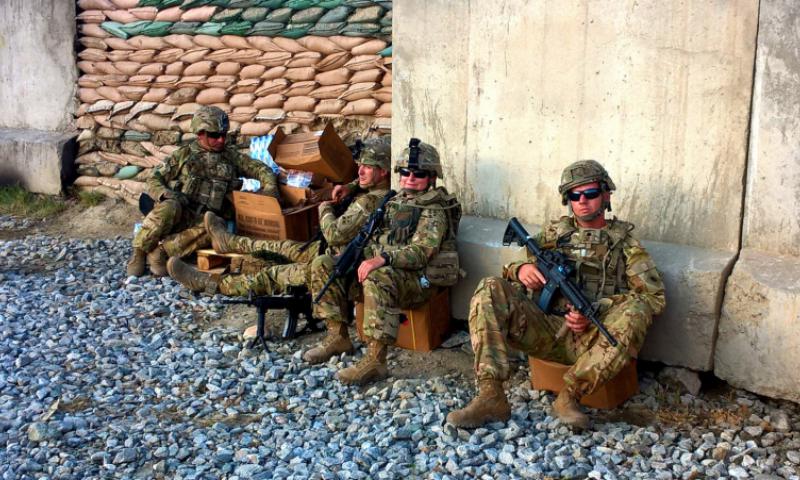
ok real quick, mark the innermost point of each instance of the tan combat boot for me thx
(371, 367)
(567, 410)
(491, 405)
(157, 259)
(218, 231)
(337, 341)
(190, 277)
(136, 263)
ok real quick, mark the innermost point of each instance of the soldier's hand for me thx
(369, 265)
(575, 320)
(338, 194)
(531, 277)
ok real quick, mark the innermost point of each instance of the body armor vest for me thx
(205, 178)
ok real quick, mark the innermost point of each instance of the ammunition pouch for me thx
(443, 270)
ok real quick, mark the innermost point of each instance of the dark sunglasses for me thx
(405, 172)
(215, 135)
(590, 194)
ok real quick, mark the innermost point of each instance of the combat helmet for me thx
(377, 152)
(210, 119)
(420, 156)
(581, 173)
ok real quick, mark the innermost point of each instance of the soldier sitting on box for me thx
(411, 253)
(612, 269)
(196, 178)
(337, 232)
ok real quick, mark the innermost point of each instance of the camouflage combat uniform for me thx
(613, 269)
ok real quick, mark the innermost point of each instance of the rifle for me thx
(352, 255)
(558, 270)
(296, 300)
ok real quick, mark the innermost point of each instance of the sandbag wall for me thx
(147, 65)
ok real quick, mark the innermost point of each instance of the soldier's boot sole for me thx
(327, 349)
(188, 276)
(491, 405)
(566, 409)
(136, 263)
(157, 260)
(218, 231)
(367, 370)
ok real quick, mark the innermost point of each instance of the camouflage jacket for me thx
(207, 178)
(611, 265)
(338, 232)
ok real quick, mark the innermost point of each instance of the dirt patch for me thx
(108, 219)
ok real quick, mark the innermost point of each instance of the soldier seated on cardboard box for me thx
(612, 268)
(196, 178)
(420, 223)
(337, 232)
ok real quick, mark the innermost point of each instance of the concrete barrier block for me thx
(758, 347)
(40, 161)
(694, 278)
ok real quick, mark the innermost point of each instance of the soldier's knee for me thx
(488, 285)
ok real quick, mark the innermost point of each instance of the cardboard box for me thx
(296, 196)
(319, 152)
(423, 328)
(546, 375)
(261, 216)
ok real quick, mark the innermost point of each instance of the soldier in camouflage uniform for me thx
(337, 232)
(416, 227)
(612, 269)
(196, 178)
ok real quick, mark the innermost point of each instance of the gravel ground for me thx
(103, 376)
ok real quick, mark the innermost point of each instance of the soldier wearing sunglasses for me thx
(612, 269)
(196, 178)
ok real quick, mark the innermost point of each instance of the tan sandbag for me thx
(132, 92)
(370, 47)
(119, 55)
(223, 55)
(93, 55)
(220, 81)
(298, 89)
(125, 3)
(273, 73)
(139, 108)
(300, 74)
(165, 109)
(303, 118)
(102, 119)
(319, 44)
(229, 68)
(347, 43)
(85, 121)
(270, 115)
(128, 68)
(87, 67)
(85, 180)
(119, 44)
(144, 56)
(384, 111)
(152, 69)
(92, 16)
(195, 55)
(235, 41)
(265, 44)
(208, 41)
(333, 61)
(89, 95)
(169, 55)
(247, 57)
(304, 59)
(183, 42)
(144, 13)
(333, 77)
(364, 62)
(205, 67)
(141, 80)
(386, 81)
(242, 100)
(383, 94)
(365, 106)
(252, 71)
(175, 68)
(246, 86)
(92, 42)
(96, 5)
(110, 93)
(212, 95)
(166, 81)
(132, 148)
(196, 81)
(93, 30)
(329, 106)
(117, 121)
(357, 91)
(89, 81)
(300, 103)
(199, 14)
(272, 86)
(274, 100)
(82, 109)
(288, 44)
(143, 42)
(181, 96)
(274, 59)
(107, 68)
(371, 75)
(156, 94)
(171, 14)
(243, 114)
(329, 91)
(115, 80)
(121, 16)
(255, 129)
(155, 122)
(187, 110)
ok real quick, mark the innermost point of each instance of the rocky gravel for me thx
(104, 376)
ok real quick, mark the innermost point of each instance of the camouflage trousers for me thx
(386, 292)
(274, 279)
(501, 315)
(179, 230)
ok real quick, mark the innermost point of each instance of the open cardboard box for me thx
(318, 152)
(261, 216)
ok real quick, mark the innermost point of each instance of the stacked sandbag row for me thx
(285, 18)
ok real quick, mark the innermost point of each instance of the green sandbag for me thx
(308, 15)
(115, 28)
(280, 15)
(128, 172)
(255, 14)
(271, 3)
(134, 136)
(149, 3)
(300, 4)
(169, 4)
(210, 28)
(360, 29)
(338, 14)
(387, 19)
(326, 29)
(242, 3)
(184, 28)
(136, 28)
(385, 4)
(358, 3)
(386, 52)
(329, 3)
(366, 15)
(387, 32)
(227, 15)
(296, 30)
(188, 4)
(236, 28)
(266, 28)
(157, 29)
